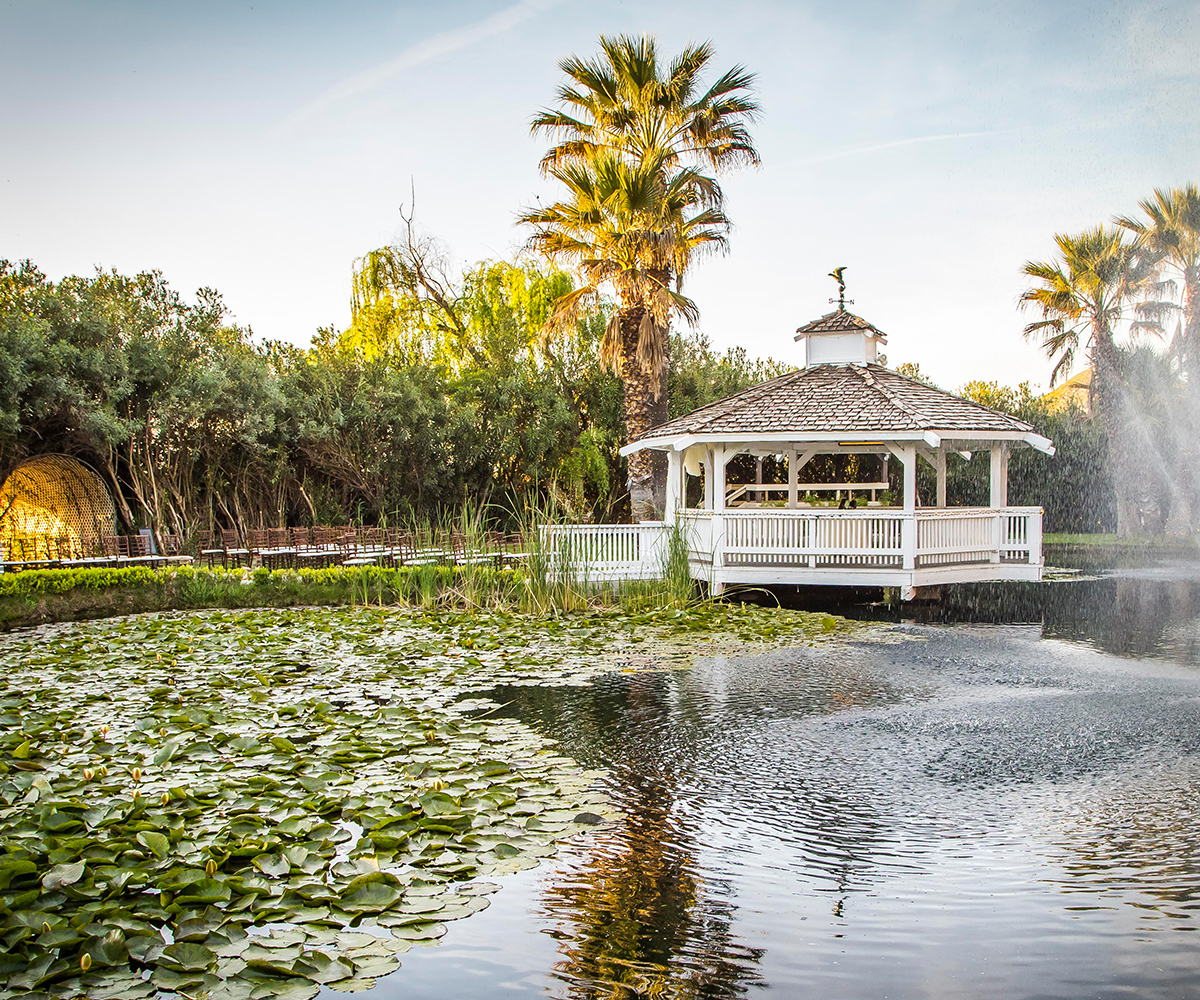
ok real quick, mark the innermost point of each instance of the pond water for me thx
(998, 801)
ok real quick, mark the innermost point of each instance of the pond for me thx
(990, 796)
(997, 802)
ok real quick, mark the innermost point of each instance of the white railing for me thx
(869, 538)
(803, 539)
(956, 535)
(813, 538)
(1021, 535)
(604, 552)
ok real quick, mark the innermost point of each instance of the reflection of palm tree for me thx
(634, 917)
(638, 920)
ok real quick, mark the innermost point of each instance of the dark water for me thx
(1002, 802)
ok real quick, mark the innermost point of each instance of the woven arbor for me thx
(53, 507)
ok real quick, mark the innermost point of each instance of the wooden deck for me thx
(873, 547)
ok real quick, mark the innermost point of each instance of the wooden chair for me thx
(411, 555)
(255, 540)
(233, 548)
(172, 549)
(279, 552)
(464, 555)
(208, 549)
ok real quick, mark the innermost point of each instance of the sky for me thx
(931, 148)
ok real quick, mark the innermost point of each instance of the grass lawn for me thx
(1169, 541)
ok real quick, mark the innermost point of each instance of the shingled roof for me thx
(839, 398)
(840, 321)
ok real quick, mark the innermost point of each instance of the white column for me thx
(999, 476)
(720, 457)
(940, 467)
(910, 476)
(1035, 538)
(674, 499)
(908, 527)
(999, 491)
(793, 480)
(710, 474)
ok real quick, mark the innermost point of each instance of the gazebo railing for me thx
(606, 552)
(869, 538)
(828, 538)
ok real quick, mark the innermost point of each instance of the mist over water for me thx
(998, 804)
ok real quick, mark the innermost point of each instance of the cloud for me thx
(442, 44)
(839, 154)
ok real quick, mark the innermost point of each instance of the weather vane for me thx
(836, 275)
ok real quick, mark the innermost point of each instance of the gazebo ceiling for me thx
(848, 399)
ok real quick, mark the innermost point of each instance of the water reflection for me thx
(1147, 612)
(966, 807)
(633, 914)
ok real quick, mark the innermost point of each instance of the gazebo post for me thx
(908, 526)
(720, 457)
(999, 492)
(793, 480)
(940, 467)
(710, 503)
(999, 476)
(674, 485)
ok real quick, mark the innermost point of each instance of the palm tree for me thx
(633, 142)
(1172, 231)
(1084, 297)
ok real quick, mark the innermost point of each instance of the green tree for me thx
(1171, 230)
(1099, 283)
(633, 139)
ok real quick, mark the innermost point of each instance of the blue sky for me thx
(258, 148)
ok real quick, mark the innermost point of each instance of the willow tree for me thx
(1099, 284)
(637, 147)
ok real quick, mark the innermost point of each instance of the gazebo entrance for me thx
(840, 403)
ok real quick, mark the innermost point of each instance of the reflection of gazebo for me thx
(53, 506)
(842, 403)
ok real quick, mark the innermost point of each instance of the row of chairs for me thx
(356, 546)
(45, 552)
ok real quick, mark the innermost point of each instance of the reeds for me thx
(538, 571)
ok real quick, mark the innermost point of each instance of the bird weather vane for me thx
(836, 275)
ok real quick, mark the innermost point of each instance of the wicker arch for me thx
(54, 507)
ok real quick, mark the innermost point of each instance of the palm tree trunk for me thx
(647, 468)
(1186, 483)
(1138, 510)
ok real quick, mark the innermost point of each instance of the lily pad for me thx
(156, 842)
(61, 875)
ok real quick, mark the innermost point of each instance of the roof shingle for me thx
(840, 321)
(839, 397)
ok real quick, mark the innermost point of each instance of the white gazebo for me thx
(830, 533)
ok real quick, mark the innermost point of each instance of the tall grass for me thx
(546, 577)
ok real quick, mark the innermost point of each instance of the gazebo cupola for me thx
(840, 338)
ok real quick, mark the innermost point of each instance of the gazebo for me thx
(833, 533)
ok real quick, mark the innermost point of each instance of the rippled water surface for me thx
(998, 804)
